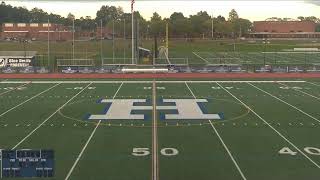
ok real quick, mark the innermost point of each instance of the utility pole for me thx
(72, 39)
(212, 27)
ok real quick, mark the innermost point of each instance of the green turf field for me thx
(195, 52)
(269, 130)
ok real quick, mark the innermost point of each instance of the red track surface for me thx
(161, 76)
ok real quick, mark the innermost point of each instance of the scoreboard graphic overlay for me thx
(27, 163)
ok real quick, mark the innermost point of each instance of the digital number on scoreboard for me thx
(27, 163)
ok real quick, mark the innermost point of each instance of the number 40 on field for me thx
(309, 150)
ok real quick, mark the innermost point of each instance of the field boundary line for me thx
(275, 130)
(50, 117)
(294, 107)
(222, 142)
(15, 88)
(82, 151)
(142, 82)
(302, 92)
(88, 141)
(28, 99)
(155, 162)
(201, 57)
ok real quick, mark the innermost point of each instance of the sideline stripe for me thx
(301, 91)
(24, 84)
(201, 57)
(28, 100)
(50, 117)
(276, 131)
(155, 162)
(147, 82)
(82, 151)
(88, 141)
(222, 142)
(285, 102)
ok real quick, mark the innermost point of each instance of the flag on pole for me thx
(132, 3)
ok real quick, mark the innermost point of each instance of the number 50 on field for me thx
(146, 151)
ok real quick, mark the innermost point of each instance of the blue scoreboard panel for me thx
(27, 163)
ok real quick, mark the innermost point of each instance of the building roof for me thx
(17, 53)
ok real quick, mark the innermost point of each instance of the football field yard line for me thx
(201, 58)
(302, 92)
(88, 141)
(275, 130)
(50, 117)
(155, 162)
(222, 142)
(24, 84)
(313, 84)
(82, 151)
(294, 107)
(28, 100)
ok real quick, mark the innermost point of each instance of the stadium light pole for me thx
(101, 55)
(124, 40)
(48, 43)
(132, 32)
(113, 41)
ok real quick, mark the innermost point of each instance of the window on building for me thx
(34, 25)
(8, 25)
(46, 25)
(21, 24)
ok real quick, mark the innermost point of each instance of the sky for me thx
(253, 10)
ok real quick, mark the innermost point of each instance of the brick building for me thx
(38, 31)
(284, 29)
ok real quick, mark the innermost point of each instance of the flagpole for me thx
(132, 30)
(48, 43)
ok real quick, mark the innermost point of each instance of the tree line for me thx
(200, 25)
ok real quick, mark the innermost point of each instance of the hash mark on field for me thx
(50, 117)
(285, 102)
(14, 88)
(301, 92)
(275, 130)
(28, 100)
(221, 140)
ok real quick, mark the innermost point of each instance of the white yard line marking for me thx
(134, 82)
(28, 100)
(24, 84)
(155, 162)
(117, 91)
(82, 151)
(88, 141)
(227, 149)
(222, 142)
(303, 92)
(275, 130)
(49, 117)
(201, 57)
(313, 84)
(285, 102)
